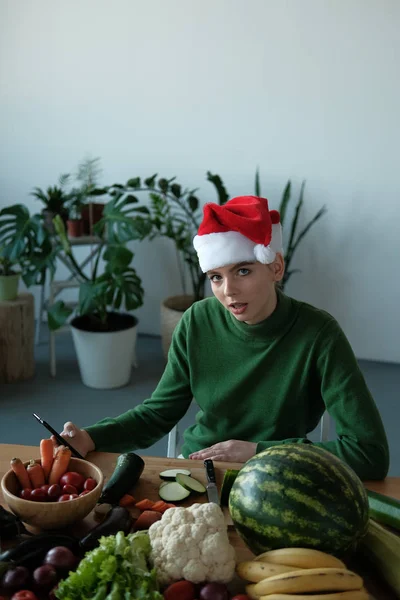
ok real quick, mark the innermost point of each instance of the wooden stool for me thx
(17, 326)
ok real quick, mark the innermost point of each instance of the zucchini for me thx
(170, 474)
(172, 491)
(384, 509)
(190, 483)
(126, 474)
(227, 483)
(382, 548)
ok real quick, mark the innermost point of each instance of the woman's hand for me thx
(230, 451)
(78, 438)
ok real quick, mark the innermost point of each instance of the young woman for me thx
(262, 367)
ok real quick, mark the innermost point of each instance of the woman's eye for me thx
(244, 271)
(215, 278)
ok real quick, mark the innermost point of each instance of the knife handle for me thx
(209, 465)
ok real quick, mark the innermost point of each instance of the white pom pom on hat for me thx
(242, 230)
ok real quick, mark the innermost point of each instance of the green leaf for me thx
(257, 188)
(58, 315)
(176, 190)
(134, 182)
(193, 203)
(150, 181)
(221, 190)
(285, 201)
(163, 185)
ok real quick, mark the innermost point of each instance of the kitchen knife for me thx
(212, 491)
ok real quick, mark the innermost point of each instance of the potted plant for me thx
(26, 250)
(104, 336)
(173, 212)
(55, 200)
(81, 197)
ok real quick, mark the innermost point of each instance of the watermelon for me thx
(298, 495)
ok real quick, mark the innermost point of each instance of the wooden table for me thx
(148, 485)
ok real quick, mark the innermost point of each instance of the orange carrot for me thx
(127, 500)
(36, 474)
(60, 464)
(160, 506)
(46, 456)
(21, 473)
(145, 504)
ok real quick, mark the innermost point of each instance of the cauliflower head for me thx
(192, 543)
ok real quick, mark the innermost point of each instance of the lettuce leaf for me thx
(118, 569)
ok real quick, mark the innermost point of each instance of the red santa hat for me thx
(243, 229)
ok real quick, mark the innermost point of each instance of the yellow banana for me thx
(351, 595)
(309, 580)
(252, 570)
(250, 591)
(303, 558)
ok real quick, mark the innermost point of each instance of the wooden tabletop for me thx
(149, 483)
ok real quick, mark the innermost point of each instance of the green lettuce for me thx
(118, 569)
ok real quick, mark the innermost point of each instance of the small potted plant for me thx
(103, 331)
(26, 250)
(55, 199)
(75, 222)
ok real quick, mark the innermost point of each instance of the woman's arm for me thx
(145, 424)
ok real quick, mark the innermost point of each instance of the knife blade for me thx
(212, 490)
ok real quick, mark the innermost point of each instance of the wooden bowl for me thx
(53, 515)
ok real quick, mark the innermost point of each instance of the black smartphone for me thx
(58, 437)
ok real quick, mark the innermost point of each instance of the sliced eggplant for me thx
(173, 491)
(191, 484)
(170, 474)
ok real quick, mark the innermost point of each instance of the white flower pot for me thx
(105, 358)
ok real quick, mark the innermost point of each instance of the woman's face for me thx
(247, 290)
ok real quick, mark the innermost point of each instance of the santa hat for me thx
(243, 229)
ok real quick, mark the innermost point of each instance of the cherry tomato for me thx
(26, 493)
(85, 492)
(45, 487)
(73, 496)
(64, 498)
(241, 597)
(89, 484)
(181, 590)
(38, 495)
(73, 478)
(69, 489)
(24, 595)
(54, 491)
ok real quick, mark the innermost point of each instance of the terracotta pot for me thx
(172, 309)
(91, 214)
(75, 227)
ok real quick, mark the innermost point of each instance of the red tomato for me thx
(64, 498)
(69, 489)
(181, 590)
(72, 478)
(72, 496)
(45, 487)
(26, 493)
(89, 484)
(241, 597)
(38, 495)
(54, 491)
(24, 595)
(84, 492)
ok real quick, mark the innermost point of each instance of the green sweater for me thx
(267, 383)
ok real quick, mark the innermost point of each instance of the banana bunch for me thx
(300, 574)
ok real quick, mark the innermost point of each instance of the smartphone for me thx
(58, 437)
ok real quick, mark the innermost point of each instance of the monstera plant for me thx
(26, 250)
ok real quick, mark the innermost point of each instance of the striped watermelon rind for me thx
(294, 495)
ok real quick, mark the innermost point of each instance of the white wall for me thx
(303, 88)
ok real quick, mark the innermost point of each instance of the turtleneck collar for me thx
(270, 327)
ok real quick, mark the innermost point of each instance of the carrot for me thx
(21, 473)
(145, 504)
(46, 456)
(60, 464)
(127, 500)
(160, 506)
(147, 518)
(36, 474)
